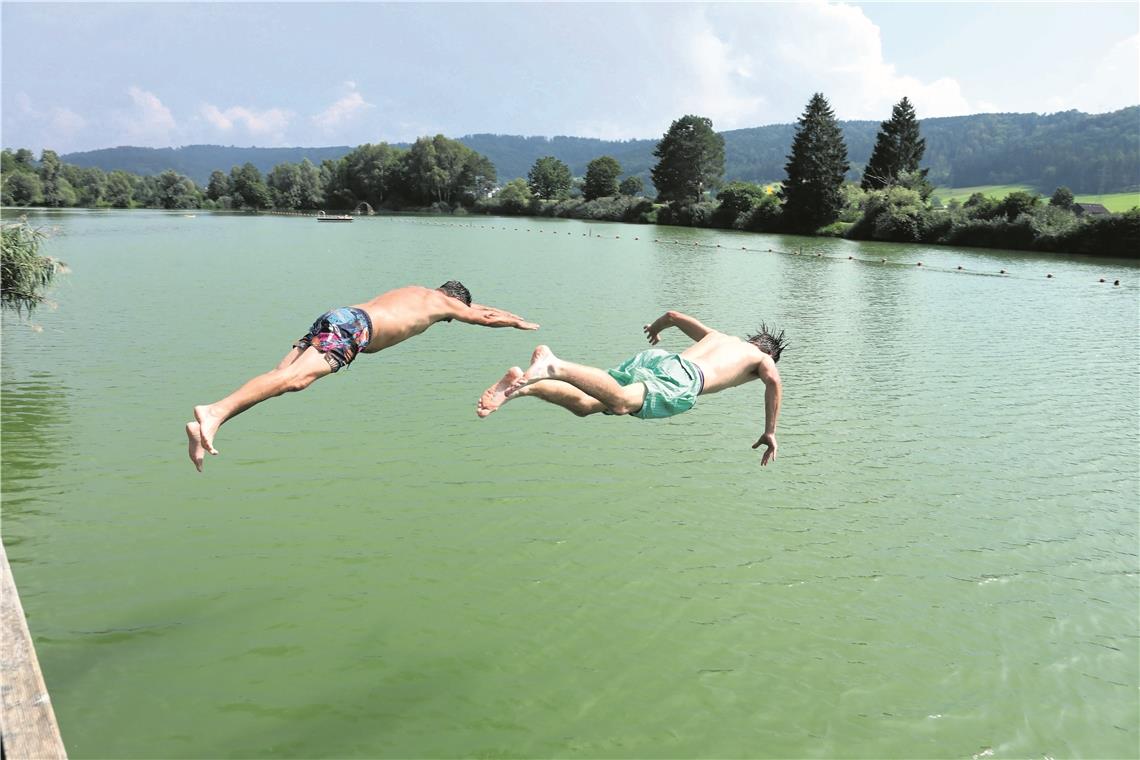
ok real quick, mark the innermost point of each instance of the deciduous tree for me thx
(176, 191)
(22, 189)
(248, 189)
(515, 196)
(1062, 197)
(549, 179)
(57, 191)
(120, 189)
(632, 186)
(218, 186)
(690, 160)
(312, 194)
(601, 178)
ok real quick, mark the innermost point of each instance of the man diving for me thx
(336, 338)
(654, 383)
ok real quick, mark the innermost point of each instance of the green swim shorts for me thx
(672, 383)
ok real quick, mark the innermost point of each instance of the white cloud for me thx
(55, 127)
(724, 89)
(746, 65)
(1114, 83)
(266, 125)
(147, 123)
(343, 112)
(64, 121)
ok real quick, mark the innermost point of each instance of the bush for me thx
(1116, 235)
(896, 226)
(934, 225)
(893, 214)
(835, 229)
(688, 214)
(764, 218)
(24, 273)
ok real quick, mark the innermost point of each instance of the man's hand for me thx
(768, 440)
(496, 318)
(651, 334)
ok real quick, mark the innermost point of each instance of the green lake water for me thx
(942, 561)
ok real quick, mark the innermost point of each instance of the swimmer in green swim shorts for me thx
(655, 383)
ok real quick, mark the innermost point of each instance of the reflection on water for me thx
(34, 412)
(943, 558)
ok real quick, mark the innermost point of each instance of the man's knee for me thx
(626, 405)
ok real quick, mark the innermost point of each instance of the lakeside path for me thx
(28, 726)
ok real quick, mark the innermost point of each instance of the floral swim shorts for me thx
(339, 335)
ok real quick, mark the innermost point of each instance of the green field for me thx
(1111, 201)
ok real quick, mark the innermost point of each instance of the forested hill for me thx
(1089, 153)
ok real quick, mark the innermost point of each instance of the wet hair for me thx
(773, 345)
(455, 289)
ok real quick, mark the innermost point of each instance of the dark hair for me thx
(773, 345)
(455, 289)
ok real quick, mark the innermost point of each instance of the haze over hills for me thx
(1089, 153)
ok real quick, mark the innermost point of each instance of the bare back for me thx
(403, 313)
(726, 360)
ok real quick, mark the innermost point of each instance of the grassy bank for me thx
(1115, 202)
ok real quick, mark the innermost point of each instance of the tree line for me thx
(891, 201)
(1090, 153)
(432, 172)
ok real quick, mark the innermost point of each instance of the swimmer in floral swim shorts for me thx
(334, 341)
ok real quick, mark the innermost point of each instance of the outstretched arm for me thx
(773, 390)
(489, 316)
(691, 326)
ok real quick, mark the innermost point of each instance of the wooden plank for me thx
(27, 721)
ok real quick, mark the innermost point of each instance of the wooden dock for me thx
(27, 723)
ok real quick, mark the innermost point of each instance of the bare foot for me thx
(496, 395)
(208, 425)
(542, 366)
(197, 453)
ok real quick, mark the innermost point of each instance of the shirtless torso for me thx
(406, 312)
(727, 361)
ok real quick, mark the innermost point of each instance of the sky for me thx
(81, 76)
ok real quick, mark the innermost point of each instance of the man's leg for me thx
(594, 382)
(308, 366)
(292, 356)
(552, 391)
(564, 395)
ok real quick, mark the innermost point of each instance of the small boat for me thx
(323, 217)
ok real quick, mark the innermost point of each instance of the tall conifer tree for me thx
(898, 148)
(812, 192)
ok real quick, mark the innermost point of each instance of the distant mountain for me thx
(1090, 153)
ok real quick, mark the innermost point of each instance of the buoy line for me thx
(798, 252)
